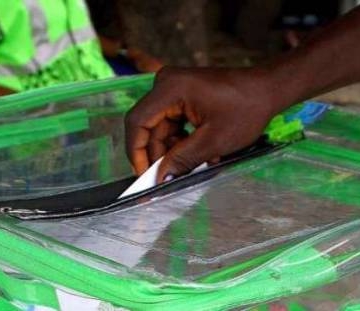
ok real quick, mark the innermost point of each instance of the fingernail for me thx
(168, 178)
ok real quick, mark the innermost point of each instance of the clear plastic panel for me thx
(247, 210)
(65, 138)
(278, 230)
(339, 126)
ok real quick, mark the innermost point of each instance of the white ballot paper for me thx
(148, 179)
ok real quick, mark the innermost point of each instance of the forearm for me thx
(231, 107)
(329, 60)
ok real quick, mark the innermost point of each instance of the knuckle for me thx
(163, 73)
(184, 163)
(131, 119)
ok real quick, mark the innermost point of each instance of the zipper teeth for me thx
(16, 212)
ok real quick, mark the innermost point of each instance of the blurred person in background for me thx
(298, 18)
(107, 21)
(252, 21)
(45, 43)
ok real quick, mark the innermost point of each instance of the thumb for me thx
(186, 155)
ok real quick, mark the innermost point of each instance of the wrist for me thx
(274, 85)
(260, 88)
(287, 82)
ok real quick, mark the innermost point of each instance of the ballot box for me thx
(272, 227)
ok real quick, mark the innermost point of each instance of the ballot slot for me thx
(106, 197)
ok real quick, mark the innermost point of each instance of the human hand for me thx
(229, 110)
(143, 61)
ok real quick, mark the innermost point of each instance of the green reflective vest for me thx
(47, 42)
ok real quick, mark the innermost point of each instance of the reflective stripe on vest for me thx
(45, 50)
(57, 28)
(45, 53)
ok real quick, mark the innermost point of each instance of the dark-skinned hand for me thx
(229, 110)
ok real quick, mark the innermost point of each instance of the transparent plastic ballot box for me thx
(272, 227)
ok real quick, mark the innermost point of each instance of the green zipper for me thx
(135, 87)
(35, 130)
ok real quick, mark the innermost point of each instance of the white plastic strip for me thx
(72, 302)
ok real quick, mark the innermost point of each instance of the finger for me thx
(160, 136)
(214, 161)
(157, 146)
(173, 140)
(187, 155)
(139, 122)
(137, 136)
(163, 102)
(156, 150)
(137, 153)
(165, 146)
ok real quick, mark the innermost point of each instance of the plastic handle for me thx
(43, 128)
(28, 291)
